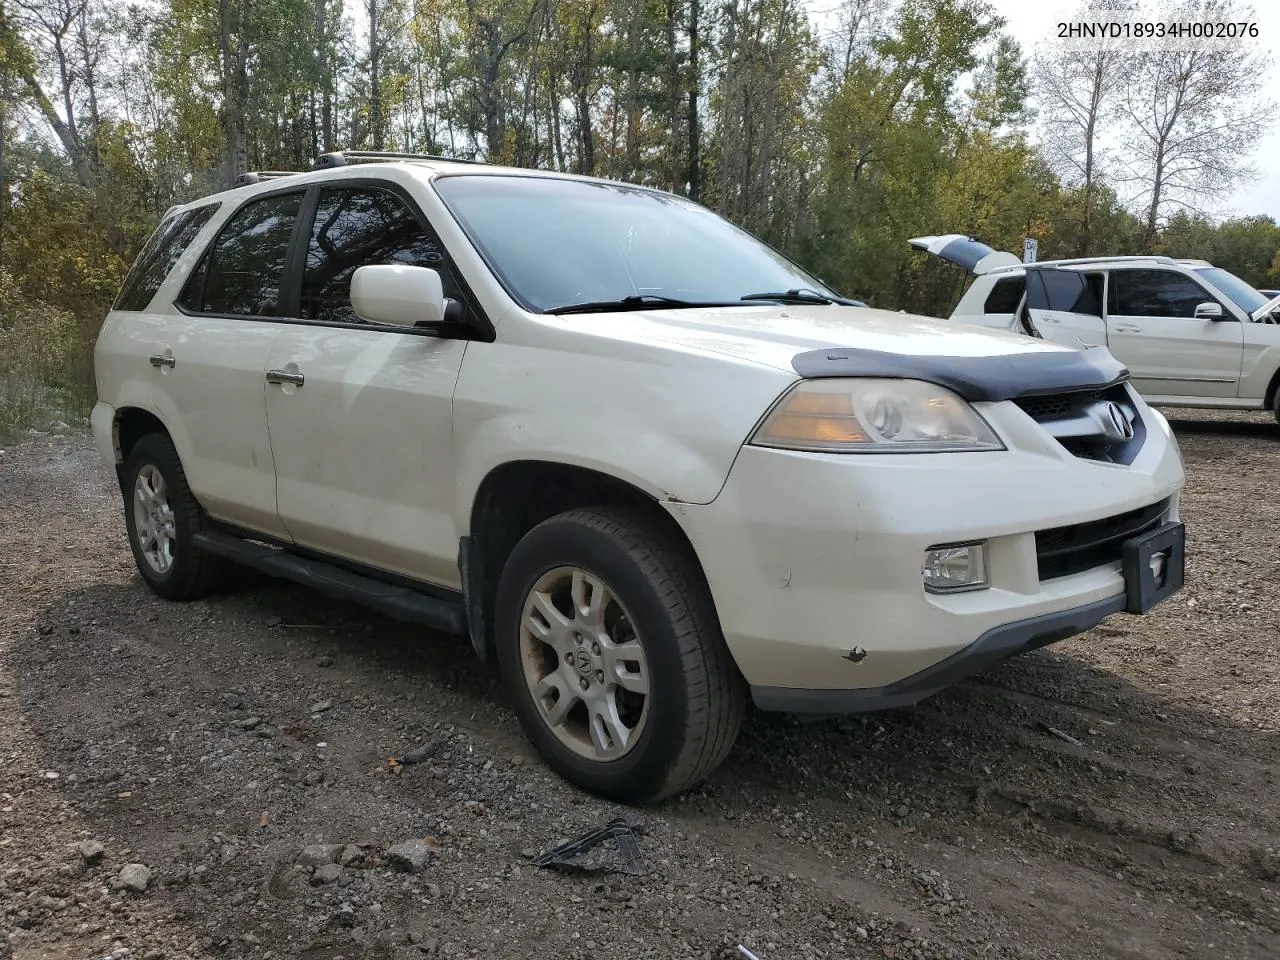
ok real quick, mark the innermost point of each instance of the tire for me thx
(183, 571)
(1275, 406)
(655, 598)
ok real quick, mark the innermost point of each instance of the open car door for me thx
(1064, 305)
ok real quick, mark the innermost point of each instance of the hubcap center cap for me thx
(582, 662)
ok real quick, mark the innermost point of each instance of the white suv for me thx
(1192, 334)
(645, 462)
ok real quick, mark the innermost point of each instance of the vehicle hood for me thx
(1268, 307)
(837, 341)
(776, 335)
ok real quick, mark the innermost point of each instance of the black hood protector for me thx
(975, 379)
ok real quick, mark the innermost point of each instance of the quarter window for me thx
(360, 227)
(243, 272)
(1005, 295)
(1154, 293)
(1068, 291)
(157, 258)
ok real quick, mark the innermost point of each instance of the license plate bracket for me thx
(1154, 566)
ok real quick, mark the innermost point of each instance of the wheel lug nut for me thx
(582, 682)
(595, 648)
(600, 675)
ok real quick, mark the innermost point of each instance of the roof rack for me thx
(1077, 261)
(257, 176)
(340, 158)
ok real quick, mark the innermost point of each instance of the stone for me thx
(135, 877)
(318, 854)
(326, 873)
(411, 855)
(91, 851)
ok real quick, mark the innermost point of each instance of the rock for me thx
(320, 706)
(155, 954)
(248, 723)
(91, 851)
(412, 855)
(861, 933)
(324, 662)
(58, 426)
(273, 621)
(350, 854)
(902, 811)
(252, 939)
(318, 854)
(420, 754)
(135, 877)
(326, 873)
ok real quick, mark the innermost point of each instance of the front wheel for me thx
(160, 516)
(609, 647)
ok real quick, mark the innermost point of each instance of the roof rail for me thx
(1147, 258)
(257, 176)
(340, 158)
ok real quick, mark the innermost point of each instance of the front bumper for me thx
(814, 561)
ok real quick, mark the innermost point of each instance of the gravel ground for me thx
(163, 767)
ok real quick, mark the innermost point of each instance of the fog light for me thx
(957, 567)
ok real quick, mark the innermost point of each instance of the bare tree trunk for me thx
(324, 74)
(673, 163)
(694, 175)
(375, 77)
(233, 47)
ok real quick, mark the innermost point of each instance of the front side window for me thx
(356, 227)
(161, 252)
(556, 242)
(1154, 293)
(243, 272)
(1244, 296)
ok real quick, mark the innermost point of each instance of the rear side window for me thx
(1068, 291)
(161, 252)
(1005, 295)
(1155, 293)
(243, 271)
(355, 227)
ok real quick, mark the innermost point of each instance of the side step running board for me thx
(395, 601)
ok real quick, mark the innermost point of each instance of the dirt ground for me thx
(1115, 796)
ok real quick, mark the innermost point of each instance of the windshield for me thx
(557, 242)
(1241, 294)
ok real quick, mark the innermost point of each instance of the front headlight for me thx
(854, 415)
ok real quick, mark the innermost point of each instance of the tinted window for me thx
(242, 273)
(355, 228)
(1154, 293)
(1005, 295)
(157, 258)
(1067, 290)
(1245, 297)
(555, 242)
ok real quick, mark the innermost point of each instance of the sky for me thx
(1032, 21)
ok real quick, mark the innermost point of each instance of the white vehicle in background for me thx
(1190, 333)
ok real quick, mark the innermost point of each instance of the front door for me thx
(1153, 330)
(361, 415)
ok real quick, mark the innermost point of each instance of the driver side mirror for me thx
(398, 295)
(1209, 311)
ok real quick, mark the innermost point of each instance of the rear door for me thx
(1152, 329)
(208, 387)
(360, 415)
(1065, 305)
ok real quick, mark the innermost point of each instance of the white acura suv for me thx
(647, 464)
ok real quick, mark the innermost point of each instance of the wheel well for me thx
(513, 499)
(132, 424)
(1271, 390)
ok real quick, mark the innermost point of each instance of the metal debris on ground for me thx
(747, 953)
(593, 853)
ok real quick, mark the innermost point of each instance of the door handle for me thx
(284, 376)
(163, 360)
(1127, 328)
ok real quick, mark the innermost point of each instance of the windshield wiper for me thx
(638, 301)
(800, 296)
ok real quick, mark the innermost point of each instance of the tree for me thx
(1192, 119)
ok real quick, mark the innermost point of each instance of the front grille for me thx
(1063, 551)
(1068, 417)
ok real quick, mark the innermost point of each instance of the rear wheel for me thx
(161, 515)
(609, 646)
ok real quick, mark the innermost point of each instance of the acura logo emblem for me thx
(1114, 421)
